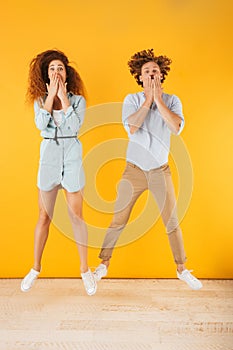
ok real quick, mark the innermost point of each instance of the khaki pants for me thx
(133, 183)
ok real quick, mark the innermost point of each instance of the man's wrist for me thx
(159, 100)
(148, 102)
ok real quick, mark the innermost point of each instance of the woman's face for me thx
(57, 67)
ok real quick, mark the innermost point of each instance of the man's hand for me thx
(148, 90)
(157, 88)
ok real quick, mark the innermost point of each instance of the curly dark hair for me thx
(140, 58)
(38, 75)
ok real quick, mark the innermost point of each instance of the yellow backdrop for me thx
(100, 36)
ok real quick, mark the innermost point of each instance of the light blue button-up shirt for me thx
(71, 120)
(149, 146)
(61, 162)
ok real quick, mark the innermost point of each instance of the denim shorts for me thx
(61, 164)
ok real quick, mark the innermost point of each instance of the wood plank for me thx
(137, 314)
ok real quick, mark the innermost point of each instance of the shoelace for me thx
(191, 277)
(30, 278)
(99, 268)
(89, 280)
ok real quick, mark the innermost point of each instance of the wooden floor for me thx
(123, 315)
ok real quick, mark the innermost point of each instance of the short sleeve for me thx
(129, 107)
(176, 107)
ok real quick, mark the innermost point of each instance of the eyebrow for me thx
(59, 65)
(148, 67)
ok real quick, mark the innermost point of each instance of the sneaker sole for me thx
(92, 293)
(190, 286)
(23, 289)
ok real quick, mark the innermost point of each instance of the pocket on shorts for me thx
(73, 150)
(44, 144)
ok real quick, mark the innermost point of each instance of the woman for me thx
(58, 95)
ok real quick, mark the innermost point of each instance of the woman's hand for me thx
(52, 88)
(61, 93)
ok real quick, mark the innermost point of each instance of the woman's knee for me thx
(44, 217)
(76, 217)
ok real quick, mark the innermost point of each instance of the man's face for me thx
(150, 69)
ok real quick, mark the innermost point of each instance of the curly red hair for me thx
(38, 75)
(140, 58)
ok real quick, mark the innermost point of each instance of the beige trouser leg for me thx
(161, 186)
(133, 183)
(131, 186)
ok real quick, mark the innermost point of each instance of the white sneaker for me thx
(100, 271)
(28, 280)
(89, 282)
(191, 281)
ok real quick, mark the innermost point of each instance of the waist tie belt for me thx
(55, 138)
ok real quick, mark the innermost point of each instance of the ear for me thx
(140, 78)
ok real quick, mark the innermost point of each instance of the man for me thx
(149, 117)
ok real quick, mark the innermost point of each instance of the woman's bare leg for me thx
(75, 204)
(46, 207)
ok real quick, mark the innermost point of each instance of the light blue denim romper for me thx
(61, 158)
